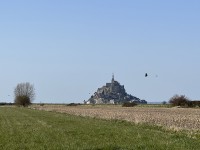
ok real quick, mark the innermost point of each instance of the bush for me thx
(128, 104)
(73, 104)
(22, 100)
(180, 100)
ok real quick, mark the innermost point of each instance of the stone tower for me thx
(113, 78)
(112, 82)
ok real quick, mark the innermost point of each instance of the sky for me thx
(69, 48)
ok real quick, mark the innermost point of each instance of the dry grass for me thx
(173, 118)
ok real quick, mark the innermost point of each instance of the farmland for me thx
(23, 128)
(171, 118)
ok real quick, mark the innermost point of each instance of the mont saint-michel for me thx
(113, 93)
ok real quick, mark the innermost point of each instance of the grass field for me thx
(171, 118)
(23, 128)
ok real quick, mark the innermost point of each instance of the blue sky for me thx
(69, 48)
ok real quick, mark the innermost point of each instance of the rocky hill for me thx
(112, 93)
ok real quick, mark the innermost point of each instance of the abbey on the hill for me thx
(113, 93)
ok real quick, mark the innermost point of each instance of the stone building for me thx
(112, 93)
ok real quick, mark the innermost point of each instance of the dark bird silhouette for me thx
(146, 74)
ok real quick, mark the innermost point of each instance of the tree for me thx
(24, 94)
(181, 100)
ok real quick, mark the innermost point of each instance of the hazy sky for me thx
(69, 48)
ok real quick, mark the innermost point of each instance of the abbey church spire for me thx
(112, 82)
(113, 78)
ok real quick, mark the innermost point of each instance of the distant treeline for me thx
(4, 103)
(194, 103)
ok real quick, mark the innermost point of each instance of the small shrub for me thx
(128, 104)
(73, 104)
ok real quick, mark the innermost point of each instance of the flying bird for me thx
(146, 74)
